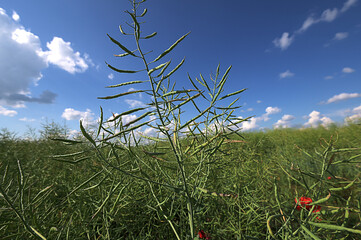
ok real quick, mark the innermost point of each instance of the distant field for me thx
(249, 192)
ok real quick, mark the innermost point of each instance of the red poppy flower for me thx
(203, 235)
(303, 202)
(329, 178)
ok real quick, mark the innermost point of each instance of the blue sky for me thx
(299, 60)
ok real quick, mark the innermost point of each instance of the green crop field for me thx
(249, 189)
(196, 178)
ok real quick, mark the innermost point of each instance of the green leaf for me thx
(334, 227)
(126, 113)
(156, 68)
(151, 35)
(121, 30)
(86, 135)
(164, 68)
(224, 78)
(322, 200)
(66, 140)
(124, 54)
(126, 130)
(121, 94)
(175, 69)
(178, 92)
(119, 70)
(144, 12)
(101, 121)
(234, 93)
(137, 27)
(170, 48)
(137, 119)
(126, 83)
(121, 46)
(343, 188)
(310, 233)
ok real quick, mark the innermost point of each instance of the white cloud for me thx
(315, 119)
(86, 117)
(259, 101)
(348, 4)
(284, 122)
(329, 15)
(15, 16)
(348, 70)
(356, 115)
(250, 124)
(111, 76)
(343, 96)
(340, 35)
(134, 103)
(270, 111)
(307, 23)
(22, 60)
(286, 74)
(284, 41)
(25, 119)
(328, 77)
(7, 112)
(62, 55)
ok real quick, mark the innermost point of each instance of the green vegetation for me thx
(76, 197)
(192, 179)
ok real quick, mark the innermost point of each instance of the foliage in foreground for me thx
(197, 175)
(74, 197)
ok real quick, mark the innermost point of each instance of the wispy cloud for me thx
(348, 70)
(342, 97)
(25, 119)
(7, 112)
(284, 41)
(111, 76)
(340, 35)
(286, 74)
(328, 15)
(134, 103)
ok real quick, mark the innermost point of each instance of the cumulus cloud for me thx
(250, 124)
(253, 123)
(22, 59)
(340, 35)
(342, 96)
(348, 70)
(7, 112)
(315, 119)
(87, 117)
(269, 111)
(15, 16)
(62, 55)
(286, 74)
(284, 41)
(284, 122)
(111, 76)
(356, 115)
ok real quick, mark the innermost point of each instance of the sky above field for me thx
(299, 60)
